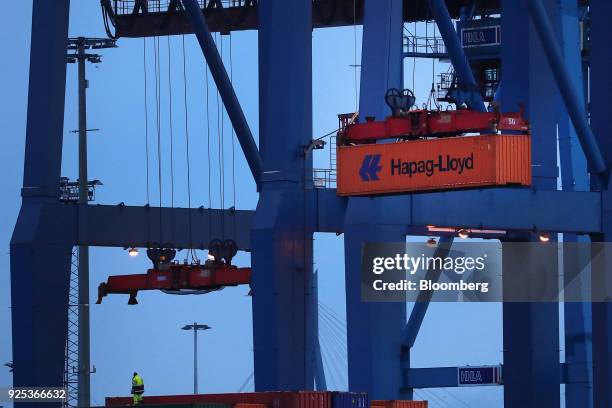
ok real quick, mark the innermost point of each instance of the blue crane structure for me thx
(543, 67)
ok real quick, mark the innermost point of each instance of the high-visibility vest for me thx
(137, 385)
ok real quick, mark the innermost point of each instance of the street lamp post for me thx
(195, 327)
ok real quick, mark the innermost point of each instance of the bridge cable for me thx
(246, 382)
(465, 404)
(336, 347)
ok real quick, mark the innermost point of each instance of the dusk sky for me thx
(147, 337)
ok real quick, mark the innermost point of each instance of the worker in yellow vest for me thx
(137, 389)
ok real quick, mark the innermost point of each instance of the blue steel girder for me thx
(574, 177)
(127, 226)
(466, 80)
(374, 329)
(531, 340)
(523, 209)
(572, 98)
(601, 122)
(123, 226)
(446, 377)
(40, 270)
(281, 236)
(225, 87)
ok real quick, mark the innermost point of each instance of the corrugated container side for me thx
(245, 405)
(311, 399)
(350, 400)
(513, 159)
(399, 404)
(127, 401)
(390, 168)
(302, 399)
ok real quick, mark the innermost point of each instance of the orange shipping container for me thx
(434, 164)
(276, 399)
(398, 404)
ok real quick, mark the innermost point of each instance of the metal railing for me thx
(324, 178)
(423, 45)
(445, 83)
(122, 7)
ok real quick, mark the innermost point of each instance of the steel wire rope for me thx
(439, 400)
(337, 363)
(331, 375)
(171, 135)
(355, 81)
(336, 351)
(334, 355)
(233, 143)
(432, 92)
(338, 336)
(337, 327)
(414, 59)
(326, 369)
(146, 115)
(338, 333)
(465, 404)
(221, 145)
(158, 129)
(206, 72)
(338, 339)
(191, 251)
(246, 382)
(333, 313)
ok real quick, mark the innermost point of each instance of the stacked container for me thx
(299, 399)
(398, 404)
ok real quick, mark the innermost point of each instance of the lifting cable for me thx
(158, 129)
(146, 115)
(233, 142)
(414, 58)
(192, 252)
(206, 74)
(220, 126)
(171, 135)
(356, 81)
(432, 99)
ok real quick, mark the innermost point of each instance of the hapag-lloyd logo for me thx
(443, 164)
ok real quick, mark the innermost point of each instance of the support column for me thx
(84, 376)
(531, 341)
(374, 329)
(601, 122)
(40, 254)
(574, 177)
(281, 239)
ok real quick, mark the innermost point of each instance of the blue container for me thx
(350, 399)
